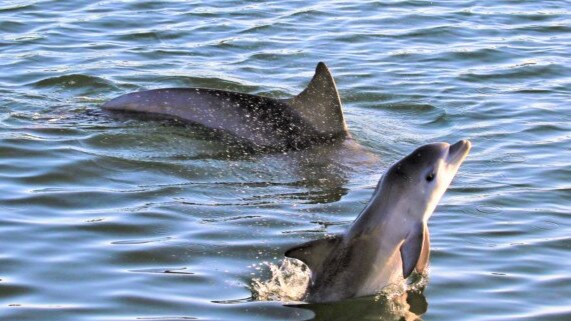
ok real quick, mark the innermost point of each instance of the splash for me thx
(418, 281)
(394, 292)
(288, 282)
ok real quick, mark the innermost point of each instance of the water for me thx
(106, 218)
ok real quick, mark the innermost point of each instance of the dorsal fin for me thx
(320, 104)
(313, 253)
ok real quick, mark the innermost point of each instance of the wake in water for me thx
(288, 282)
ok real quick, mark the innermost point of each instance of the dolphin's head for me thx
(420, 179)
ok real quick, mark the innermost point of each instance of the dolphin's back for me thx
(265, 122)
(313, 116)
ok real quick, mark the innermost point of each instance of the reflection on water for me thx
(322, 171)
(404, 307)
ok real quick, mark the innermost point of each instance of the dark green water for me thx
(105, 218)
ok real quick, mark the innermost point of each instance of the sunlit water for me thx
(113, 218)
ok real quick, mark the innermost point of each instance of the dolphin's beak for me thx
(458, 152)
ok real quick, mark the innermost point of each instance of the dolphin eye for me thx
(430, 177)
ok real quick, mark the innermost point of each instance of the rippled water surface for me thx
(114, 218)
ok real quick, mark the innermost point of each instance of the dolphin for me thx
(389, 239)
(312, 117)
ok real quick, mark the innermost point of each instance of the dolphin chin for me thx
(389, 240)
(313, 117)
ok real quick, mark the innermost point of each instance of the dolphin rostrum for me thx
(313, 116)
(389, 239)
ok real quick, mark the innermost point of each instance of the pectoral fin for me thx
(425, 252)
(411, 250)
(313, 253)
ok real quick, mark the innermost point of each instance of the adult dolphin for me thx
(390, 238)
(314, 116)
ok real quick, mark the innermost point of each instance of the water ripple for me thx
(157, 221)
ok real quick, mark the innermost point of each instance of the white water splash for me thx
(417, 282)
(288, 282)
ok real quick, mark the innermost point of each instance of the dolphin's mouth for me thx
(458, 152)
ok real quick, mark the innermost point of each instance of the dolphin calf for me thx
(390, 238)
(314, 116)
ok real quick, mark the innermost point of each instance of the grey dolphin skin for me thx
(314, 116)
(389, 239)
